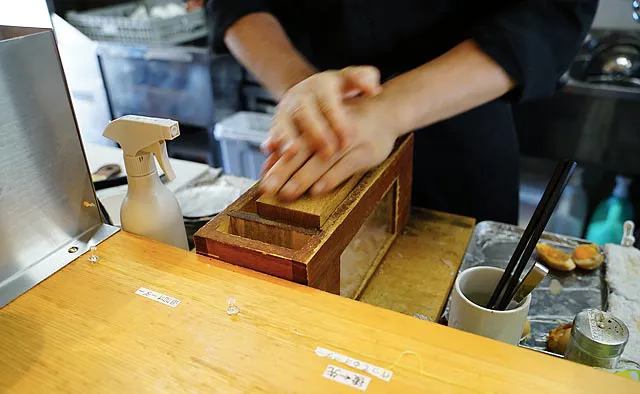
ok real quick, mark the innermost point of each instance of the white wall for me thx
(81, 69)
(25, 13)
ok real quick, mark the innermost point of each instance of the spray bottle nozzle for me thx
(141, 135)
(160, 152)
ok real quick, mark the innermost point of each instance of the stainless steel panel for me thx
(47, 201)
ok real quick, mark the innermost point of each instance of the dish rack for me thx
(113, 24)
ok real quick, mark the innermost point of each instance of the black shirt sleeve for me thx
(535, 41)
(227, 12)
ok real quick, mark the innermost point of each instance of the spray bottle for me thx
(149, 209)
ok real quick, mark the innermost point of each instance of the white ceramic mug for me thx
(478, 283)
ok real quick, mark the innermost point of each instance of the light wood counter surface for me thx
(84, 330)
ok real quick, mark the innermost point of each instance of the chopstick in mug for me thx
(566, 171)
(532, 232)
(515, 257)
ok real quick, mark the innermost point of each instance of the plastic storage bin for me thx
(240, 137)
(170, 83)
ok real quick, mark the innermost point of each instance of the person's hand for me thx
(373, 136)
(312, 113)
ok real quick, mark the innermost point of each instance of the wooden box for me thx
(333, 243)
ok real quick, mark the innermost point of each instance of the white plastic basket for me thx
(113, 24)
(240, 137)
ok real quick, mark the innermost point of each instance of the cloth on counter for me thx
(211, 193)
(214, 176)
(623, 271)
(629, 313)
(623, 278)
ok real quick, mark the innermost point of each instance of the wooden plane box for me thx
(333, 243)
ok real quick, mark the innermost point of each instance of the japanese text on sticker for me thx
(158, 297)
(347, 377)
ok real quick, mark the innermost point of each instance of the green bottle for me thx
(607, 223)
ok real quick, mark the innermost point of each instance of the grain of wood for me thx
(368, 247)
(307, 211)
(418, 272)
(250, 225)
(84, 330)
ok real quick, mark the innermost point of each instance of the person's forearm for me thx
(455, 82)
(260, 43)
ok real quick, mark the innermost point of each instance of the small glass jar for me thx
(597, 339)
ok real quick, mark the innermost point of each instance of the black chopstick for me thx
(517, 253)
(531, 235)
(566, 169)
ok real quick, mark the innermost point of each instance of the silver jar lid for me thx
(599, 333)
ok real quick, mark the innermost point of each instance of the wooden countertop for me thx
(84, 330)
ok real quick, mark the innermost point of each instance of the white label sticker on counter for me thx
(378, 372)
(347, 377)
(161, 298)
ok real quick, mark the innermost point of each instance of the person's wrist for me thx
(293, 78)
(385, 117)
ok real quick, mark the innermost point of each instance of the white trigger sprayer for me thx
(149, 209)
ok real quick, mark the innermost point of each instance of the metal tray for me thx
(493, 243)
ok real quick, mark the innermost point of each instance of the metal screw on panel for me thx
(72, 249)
